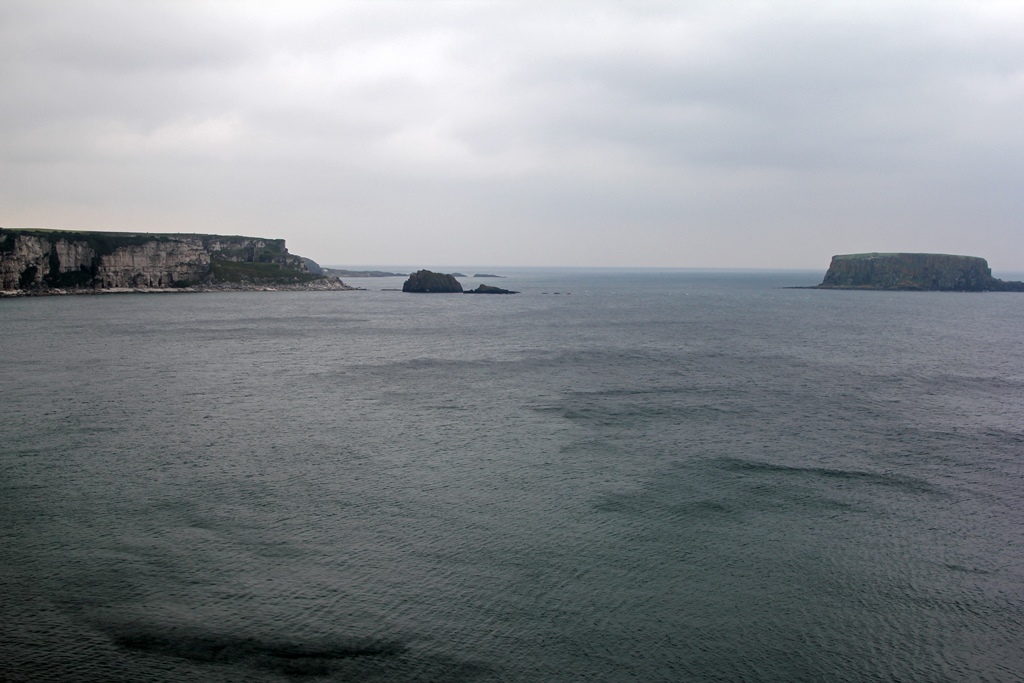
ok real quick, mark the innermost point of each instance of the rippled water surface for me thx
(646, 476)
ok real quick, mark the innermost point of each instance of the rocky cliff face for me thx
(45, 259)
(154, 264)
(934, 272)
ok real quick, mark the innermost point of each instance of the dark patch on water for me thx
(966, 570)
(902, 482)
(702, 508)
(652, 506)
(303, 659)
(602, 413)
(737, 506)
(340, 658)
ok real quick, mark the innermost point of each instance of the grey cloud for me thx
(117, 37)
(700, 126)
(813, 96)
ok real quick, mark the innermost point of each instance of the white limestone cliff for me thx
(43, 259)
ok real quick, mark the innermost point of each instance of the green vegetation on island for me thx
(249, 271)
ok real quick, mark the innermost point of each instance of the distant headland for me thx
(37, 261)
(914, 272)
(343, 272)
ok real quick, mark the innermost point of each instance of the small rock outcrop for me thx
(487, 289)
(426, 281)
(485, 275)
(922, 272)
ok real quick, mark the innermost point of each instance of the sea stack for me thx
(920, 272)
(429, 282)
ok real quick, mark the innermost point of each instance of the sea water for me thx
(612, 476)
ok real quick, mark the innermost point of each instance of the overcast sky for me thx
(693, 134)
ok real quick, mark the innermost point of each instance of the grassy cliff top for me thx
(46, 232)
(108, 242)
(894, 254)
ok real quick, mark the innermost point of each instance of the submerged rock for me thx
(429, 282)
(925, 272)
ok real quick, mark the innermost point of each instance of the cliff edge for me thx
(53, 261)
(922, 272)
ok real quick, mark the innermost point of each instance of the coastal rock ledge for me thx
(920, 272)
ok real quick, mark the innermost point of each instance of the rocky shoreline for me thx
(324, 285)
